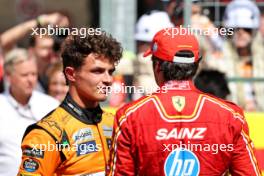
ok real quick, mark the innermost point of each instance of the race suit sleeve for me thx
(121, 154)
(244, 161)
(40, 156)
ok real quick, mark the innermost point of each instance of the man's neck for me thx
(41, 70)
(179, 84)
(82, 102)
(19, 98)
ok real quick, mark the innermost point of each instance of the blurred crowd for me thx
(32, 82)
(237, 57)
(232, 65)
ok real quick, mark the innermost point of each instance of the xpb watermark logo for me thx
(182, 162)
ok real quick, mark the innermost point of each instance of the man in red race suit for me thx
(180, 130)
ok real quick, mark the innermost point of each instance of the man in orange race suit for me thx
(74, 139)
(183, 131)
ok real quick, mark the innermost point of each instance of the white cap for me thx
(242, 14)
(149, 24)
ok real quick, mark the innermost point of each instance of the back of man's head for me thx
(212, 82)
(177, 54)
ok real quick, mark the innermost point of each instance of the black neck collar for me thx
(88, 116)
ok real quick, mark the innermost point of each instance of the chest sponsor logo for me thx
(30, 165)
(182, 162)
(83, 135)
(178, 102)
(180, 133)
(33, 152)
(107, 131)
(88, 147)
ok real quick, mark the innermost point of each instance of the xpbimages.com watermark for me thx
(80, 149)
(196, 31)
(188, 135)
(123, 89)
(212, 148)
(56, 30)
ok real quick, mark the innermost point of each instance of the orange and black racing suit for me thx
(68, 141)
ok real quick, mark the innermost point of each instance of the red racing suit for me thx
(181, 131)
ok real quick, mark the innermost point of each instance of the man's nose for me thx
(31, 78)
(108, 79)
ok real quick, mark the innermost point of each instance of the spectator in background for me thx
(41, 47)
(199, 21)
(146, 27)
(46, 49)
(261, 27)
(20, 106)
(56, 82)
(10, 37)
(57, 86)
(240, 57)
(174, 9)
(258, 43)
(212, 82)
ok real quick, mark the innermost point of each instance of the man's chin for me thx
(28, 92)
(102, 97)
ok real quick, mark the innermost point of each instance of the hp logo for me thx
(182, 162)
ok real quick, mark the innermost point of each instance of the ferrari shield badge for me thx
(178, 102)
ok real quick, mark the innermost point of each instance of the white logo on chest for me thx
(175, 133)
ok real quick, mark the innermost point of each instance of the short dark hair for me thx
(212, 82)
(75, 48)
(177, 71)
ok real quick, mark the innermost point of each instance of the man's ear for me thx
(70, 74)
(158, 73)
(157, 67)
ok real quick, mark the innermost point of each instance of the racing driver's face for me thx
(93, 78)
